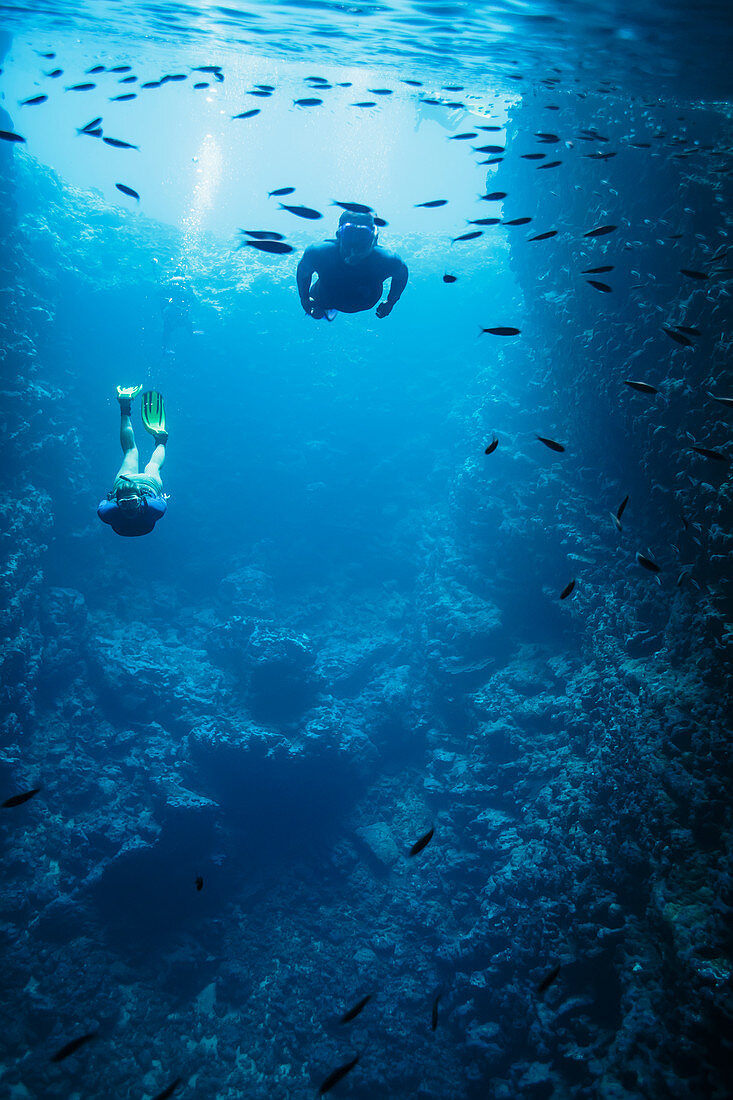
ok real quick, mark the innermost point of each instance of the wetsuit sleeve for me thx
(398, 272)
(306, 270)
(107, 510)
(156, 507)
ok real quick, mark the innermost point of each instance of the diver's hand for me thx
(384, 309)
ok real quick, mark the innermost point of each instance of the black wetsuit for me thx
(349, 288)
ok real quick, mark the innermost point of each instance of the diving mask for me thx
(356, 241)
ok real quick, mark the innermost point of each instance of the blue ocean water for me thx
(418, 695)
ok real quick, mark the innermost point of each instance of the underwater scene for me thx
(367, 532)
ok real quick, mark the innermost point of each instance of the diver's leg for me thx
(157, 459)
(127, 440)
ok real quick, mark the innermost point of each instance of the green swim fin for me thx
(153, 414)
(125, 394)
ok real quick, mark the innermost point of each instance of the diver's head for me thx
(129, 500)
(356, 235)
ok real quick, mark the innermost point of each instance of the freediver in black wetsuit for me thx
(351, 272)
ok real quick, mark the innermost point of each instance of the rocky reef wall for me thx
(289, 746)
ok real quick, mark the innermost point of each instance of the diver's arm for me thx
(304, 275)
(399, 274)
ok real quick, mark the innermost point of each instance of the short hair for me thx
(347, 218)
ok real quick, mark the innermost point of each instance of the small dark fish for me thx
(267, 87)
(600, 231)
(432, 203)
(353, 207)
(337, 1075)
(599, 286)
(468, 236)
(599, 156)
(621, 507)
(167, 1092)
(452, 88)
(615, 522)
(95, 70)
(33, 101)
(72, 1046)
(693, 274)
(199, 883)
(380, 222)
(678, 337)
(278, 248)
(118, 144)
(727, 401)
(706, 452)
(494, 196)
(597, 270)
(280, 191)
(199, 84)
(251, 114)
(8, 135)
(494, 128)
(128, 80)
(80, 87)
(485, 221)
(306, 102)
(121, 69)
(413, 83)
(551, 443)
(518, 221)
(550, 164)
(544, 236)
(548, 980)
(492, 446)
(127, 191)
(567, 589)
(93, 133)
(449, 278)
(123, 98)
(492, 160)
(174, 78)
(533, 156)
(354, 1011)
(365, 103)
(380, 91)
(640, 387)
(647, 563)
(19, 799)
(302, 212)
(462, 137)
(262, 234)
(683, 576)
(547, 139)
(207, 69)
(423, 842)
(502, 331)
(434, 1013)
(47, 56)
(55, 73)
(488, 148)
